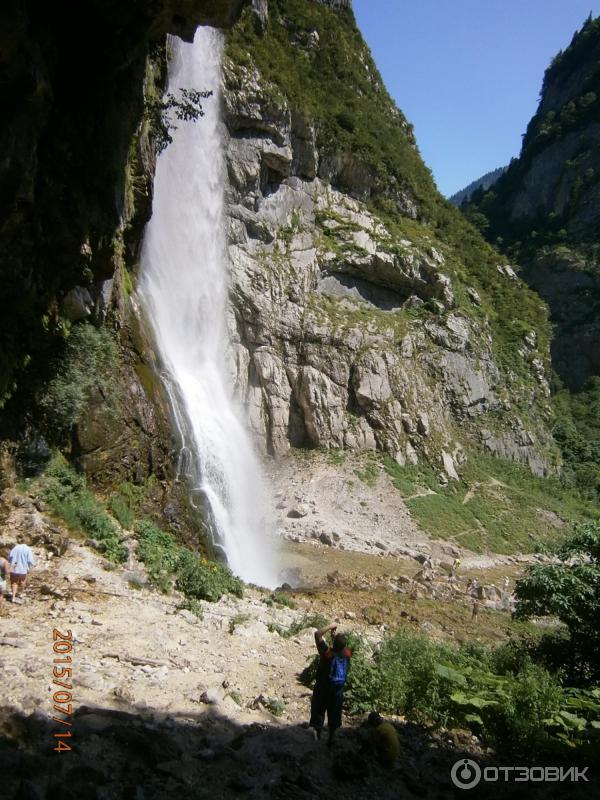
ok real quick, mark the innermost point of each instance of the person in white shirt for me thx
(21, 561)
(4, 576)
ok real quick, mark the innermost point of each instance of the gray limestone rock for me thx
(78, 304)
(299, 511)
(324, 353)
(261, 9)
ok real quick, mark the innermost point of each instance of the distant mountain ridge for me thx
(544, 213)
(484, 182)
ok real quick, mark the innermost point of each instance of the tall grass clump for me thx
(125, 502)
(66, 493)
(170, 564)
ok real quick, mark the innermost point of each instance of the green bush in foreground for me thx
(307, 621)
(500, 694)
(570, 591)
(169, 563)
(66, 493)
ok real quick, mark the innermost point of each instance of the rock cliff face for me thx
(72, 89)
(365, 312)
(546, 208)
(75, 193)
(351, 331)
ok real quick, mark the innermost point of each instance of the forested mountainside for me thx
(544, 213)
(458, 198)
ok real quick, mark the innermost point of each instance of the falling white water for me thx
(184, 290)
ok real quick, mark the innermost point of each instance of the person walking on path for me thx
(21, 561)
(328, 694)
(4, 576)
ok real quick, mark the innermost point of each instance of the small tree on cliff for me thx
(161, 113)
(570, 591)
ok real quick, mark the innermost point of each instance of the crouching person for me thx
(384, 740)
(328, 694)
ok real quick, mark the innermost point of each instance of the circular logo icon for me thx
(465, 773)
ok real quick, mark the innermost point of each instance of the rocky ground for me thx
(165, 702)
(341, 505)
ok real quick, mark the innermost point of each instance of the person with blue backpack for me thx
(332, 670)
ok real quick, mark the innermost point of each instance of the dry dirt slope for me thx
(165, 703)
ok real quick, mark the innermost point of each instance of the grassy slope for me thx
(496, 506)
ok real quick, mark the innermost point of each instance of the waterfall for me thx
(184, 292)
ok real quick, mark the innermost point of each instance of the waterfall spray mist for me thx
(184, 291)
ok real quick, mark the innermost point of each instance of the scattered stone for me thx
(188, 616)
(507, 271)
(91, 681)
(423, 424)
(473, 296)
(326, 539)
(124, 693)
(299, 511)
(211, 697)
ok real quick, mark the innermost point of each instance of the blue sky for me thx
(467, 73)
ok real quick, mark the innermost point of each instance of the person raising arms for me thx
(328, 694)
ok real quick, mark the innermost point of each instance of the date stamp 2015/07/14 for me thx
(62, 698)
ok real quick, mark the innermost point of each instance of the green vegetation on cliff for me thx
(67, 494)
(569, 105)
(85, 365)
(544, 212)
(316, 60)
(577, 430)
(496, 506)
(168, 564)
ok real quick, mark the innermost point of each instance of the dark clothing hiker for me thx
(328, 694)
